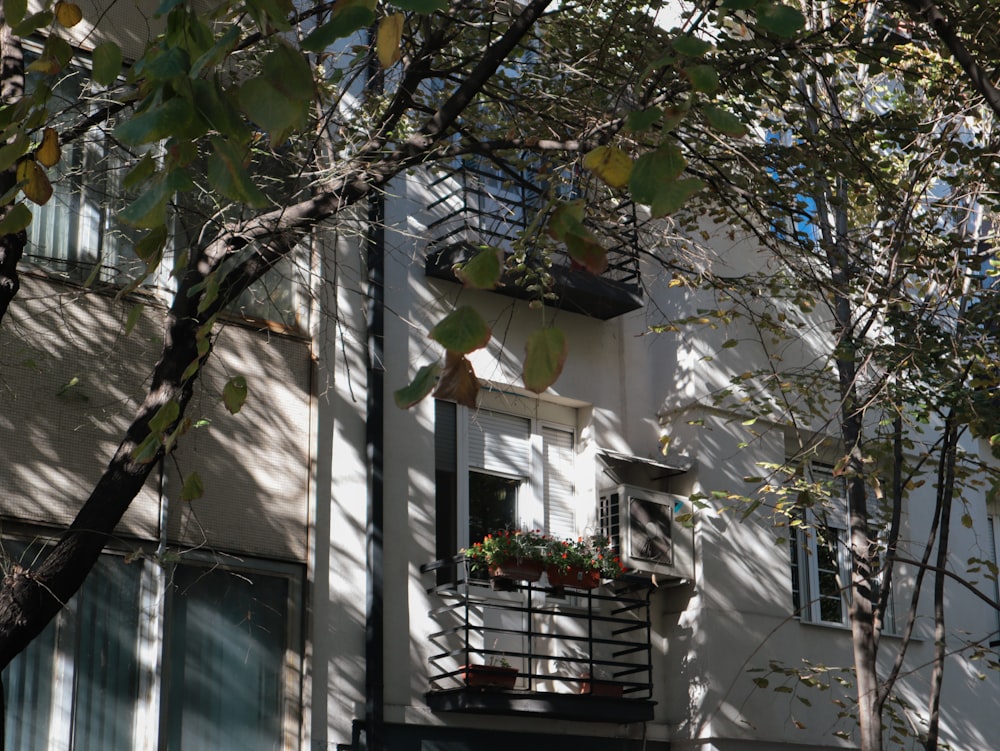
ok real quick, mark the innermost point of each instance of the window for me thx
(502, 470)
(77, 236)
(78, 229)
(820, 555)
(202, 666)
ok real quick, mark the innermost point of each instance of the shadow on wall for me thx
(69, 385)
(746, 667)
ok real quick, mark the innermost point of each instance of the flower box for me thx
(517, 569)
(598, 687)
(489, 676)
(573, 577)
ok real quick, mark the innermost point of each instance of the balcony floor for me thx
(550, 705)
(576, 290)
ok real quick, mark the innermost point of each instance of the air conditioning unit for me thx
(642, 525)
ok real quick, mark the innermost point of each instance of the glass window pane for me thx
(492, 504)
(28, 694)
(828, 569)
(28, 682)
(227, 635)
(107, 666)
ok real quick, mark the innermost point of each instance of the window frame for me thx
(808, 593)
(150, 702)
(532, 511)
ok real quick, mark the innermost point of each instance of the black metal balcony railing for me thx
(476, 208)
(580, 654)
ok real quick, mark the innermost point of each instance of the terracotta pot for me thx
(597, 687)
(517, 569)
(573, 577)
(489, 676)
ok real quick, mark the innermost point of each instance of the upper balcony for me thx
(571, 653)
(476, 208)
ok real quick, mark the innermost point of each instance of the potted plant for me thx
(581, 563)
(509, 556)
(600, 687)
(494, 674)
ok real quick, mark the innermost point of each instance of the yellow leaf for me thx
(390, 32)
(611, 164)
(68, 14)
(34, 183)
(48, 152)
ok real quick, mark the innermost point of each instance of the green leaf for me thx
(739, 4)
(17, 219)
(545, 356)
(421, 6)
(150, 246)
(420, 387)
(150, 208)
(730, 343)
(483, 270)
(567, 216)
(33, 23)
(674, 195)
(690, 46)
(643, 119)
(173, 117)
(146, 451)
(655, 168)
(348, 16)
(585, 249)
(165, 417)
(144, 169)
(193, 487)
(278, 99)
(967, 521)
(133, 317)
(169, 64)
(228, 176)
(234, 394)
(703, 78)
(14, 10)
(219, 110)
(218, 52)
(782, 20)
(723, 121)
(271, 13)
(107, 63)
(270, 110)
(462, 331)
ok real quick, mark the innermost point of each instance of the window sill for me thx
(847, 629)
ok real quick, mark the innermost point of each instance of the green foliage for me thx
(545, 357)
(462, 331)
(422, 385)
(483, 270)
(193, 487)
(234, 394)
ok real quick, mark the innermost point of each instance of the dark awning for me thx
(627, 468)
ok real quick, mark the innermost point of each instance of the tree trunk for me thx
(29, 599)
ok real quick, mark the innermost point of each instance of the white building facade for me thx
(315, 596)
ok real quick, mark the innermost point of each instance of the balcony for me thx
(476, 208)
(555, 638)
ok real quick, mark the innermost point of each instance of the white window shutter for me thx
(560, 495)
(499, 443)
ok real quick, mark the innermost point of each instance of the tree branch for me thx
(928, 11)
